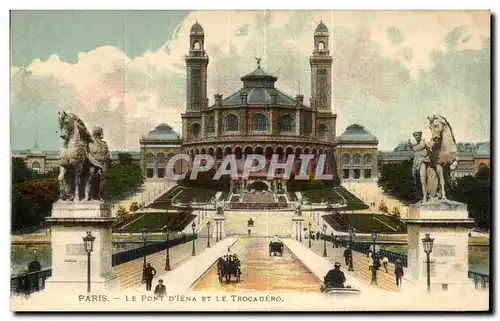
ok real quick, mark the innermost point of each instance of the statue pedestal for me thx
(447, 222)
(298, 222)
(69, 224)
(219, 221)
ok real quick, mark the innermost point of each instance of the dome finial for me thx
(258, 62)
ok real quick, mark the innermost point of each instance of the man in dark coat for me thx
(149, 273)
(160, 289)
(335, 278)
(347, 255)
(398, 271)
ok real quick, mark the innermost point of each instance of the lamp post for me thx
(208, 234)
(194, 239)
(324, 240)
(144, 233)
(167, 257)
(300, 231)
(296, 231)
(351, 234)
(333, 240)
(374, 269)
(88, 241)
(216, 231)
(310, 224)
(428, 243)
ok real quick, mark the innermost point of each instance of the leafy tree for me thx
(125, 159)
(475, 191)
(396, 179)
(383, 208)
(20, 172)
(121, 180)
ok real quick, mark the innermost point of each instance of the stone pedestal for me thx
(298, 225)
(447, 222)
(219, 220)
(69, 224)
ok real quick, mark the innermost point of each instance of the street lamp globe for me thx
(351, 231)
(374, 236)
(310, 224)
(88, 241)
(144, 233)
(193, 226)
(324, 228)
(428, 243)
(208, 224)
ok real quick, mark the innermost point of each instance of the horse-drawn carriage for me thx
(227, 267)
(250, 222)
(276, 248)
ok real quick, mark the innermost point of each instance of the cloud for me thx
(390, 72)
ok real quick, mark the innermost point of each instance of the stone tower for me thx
(321, 70)
(196, 87)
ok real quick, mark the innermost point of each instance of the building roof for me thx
(321, 28)
(259, 87)
(163, 131)
(356, 133)
(196, 29)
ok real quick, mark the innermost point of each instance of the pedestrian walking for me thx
(385, 264)
(160, 289)
(398, 271)
(347, 255)
(149, 273)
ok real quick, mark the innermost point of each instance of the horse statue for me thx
(82, 160)
(440, 157)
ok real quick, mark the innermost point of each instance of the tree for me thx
(396, 179)
(134, 207)
(121, 180)
(125, 159)
(383, 208)
(475, 191)
(20, 172)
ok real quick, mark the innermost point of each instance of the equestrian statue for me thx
(434, 161)
(83, 159)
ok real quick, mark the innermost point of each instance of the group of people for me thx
(229, 261)
(149, 274)
(336, 278)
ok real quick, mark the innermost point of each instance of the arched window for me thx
(356, 160)
(231, 123)
(368, 160)
(259, 122)
(287, 123)
(322, 131)
(160, 159)
(321, 45)
(196, 45)
(195, 131)
(35, 167)
(346, 160)
(150, 159)
(210, 125)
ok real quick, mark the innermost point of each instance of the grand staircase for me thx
(266, 223)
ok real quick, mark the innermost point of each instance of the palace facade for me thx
(259, 118)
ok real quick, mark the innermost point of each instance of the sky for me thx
(125, 70)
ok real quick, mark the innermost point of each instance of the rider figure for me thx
(335, 278)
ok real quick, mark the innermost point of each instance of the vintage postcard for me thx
(250, 160)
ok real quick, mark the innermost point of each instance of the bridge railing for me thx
(31, 282)
(480, 280)
(28, 283)
(130, 255)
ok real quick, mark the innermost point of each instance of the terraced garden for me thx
(335, 195)
(364, 223)
(155, 222)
